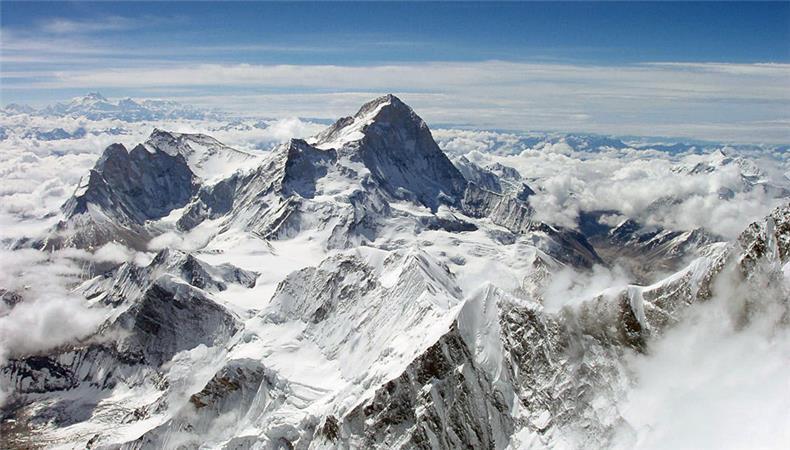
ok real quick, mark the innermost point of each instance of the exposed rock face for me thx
(165, 308)
(567, 382)
(393, 334)
(496, 178)
(200, 274)
(397, 147)
(129, 281)
(155, 313)
(123, 191)
(212, 201)
(39, 374)
(384, 153)
(98, 366)
(134, 186)
(128, 189)
(304, 165)
(769, 239)
(237, 387)
(646, 250)
(505, 210)
(759, 255)
(171, 318)
(206, 157)
(442, 400)
(272, 200)
(236, 382)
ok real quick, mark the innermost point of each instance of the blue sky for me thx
(635, 68)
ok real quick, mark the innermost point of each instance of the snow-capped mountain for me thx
(751, 176)
(95, 106)
(355, 177)
(128, 188)
(356, 289)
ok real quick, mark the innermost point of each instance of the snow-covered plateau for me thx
(173, 278)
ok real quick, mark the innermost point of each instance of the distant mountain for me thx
(14, 108)
(751, 176)
(457, 142)
(95, 106)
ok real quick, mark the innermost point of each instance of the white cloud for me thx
(115, 253)
(728, 102)
(568, 287)
(275, 132)
(719, 379)
(49, 314)
(96, 24)
(637, 183)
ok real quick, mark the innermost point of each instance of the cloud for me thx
(94, 25)
(651, 186)
(190, 241)
(726, 102)
(568, 287)
(115, 253)
(49, 314)
(715, 380)
(633, 82)
(268, 133)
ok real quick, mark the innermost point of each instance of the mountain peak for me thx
(207, 157)
(134, 186)
(378, 102)
(385, 110)
(91, 97)
(160, 133)
(397, 147)
(389, 109)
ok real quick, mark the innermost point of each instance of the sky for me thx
(716, 71)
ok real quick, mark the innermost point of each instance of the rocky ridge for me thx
(389, 339)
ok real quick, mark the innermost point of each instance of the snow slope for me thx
(354, 290)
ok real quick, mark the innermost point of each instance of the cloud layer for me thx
(724, 102)
(655, 187)
(718, 379)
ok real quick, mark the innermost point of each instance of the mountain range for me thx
(359, 289)
(95, 106)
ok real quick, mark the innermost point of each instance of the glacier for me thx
(367, 287)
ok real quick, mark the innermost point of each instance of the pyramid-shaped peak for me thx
(388, 111)
(380, 102)
(395, 144)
